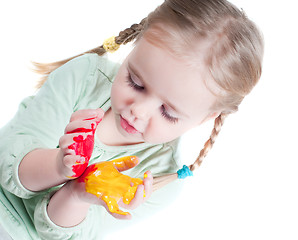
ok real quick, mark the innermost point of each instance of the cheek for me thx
(120, 94)
(161, 132)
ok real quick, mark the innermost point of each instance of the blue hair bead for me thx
(184, 172)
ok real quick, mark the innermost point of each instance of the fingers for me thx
(148, 184)
(66, 142)
(138, 198)
(76, 165)
(70, 160)
(143, 192)
(125, 163)
(85, 120)
(80, 190)
(81, 126)
(78, 141)
(87, 114)
(119, 214)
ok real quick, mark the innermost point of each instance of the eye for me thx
(167, 116)
(132, 84)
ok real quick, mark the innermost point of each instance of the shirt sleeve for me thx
(98, 222)
(89, 228)
(41, 119)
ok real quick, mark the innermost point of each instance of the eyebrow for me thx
(139, 76)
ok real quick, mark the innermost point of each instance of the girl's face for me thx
(156, 97)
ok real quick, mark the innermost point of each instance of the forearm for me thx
(38, 170)
(65, 209)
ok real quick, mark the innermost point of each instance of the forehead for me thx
(170, 78)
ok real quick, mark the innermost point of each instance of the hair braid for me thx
(209, 144)
(125, 36)
(160, 181)
(130, 33)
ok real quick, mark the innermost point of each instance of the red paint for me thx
(83, 147)
(78, 169)
(90, 169)
(90, 118)
(81, 130)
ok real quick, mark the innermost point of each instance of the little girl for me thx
(193, 61)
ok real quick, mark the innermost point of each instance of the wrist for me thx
(74, 190)
(65, 208)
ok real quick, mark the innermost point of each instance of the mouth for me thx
(127, 127)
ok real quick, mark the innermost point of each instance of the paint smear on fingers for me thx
(107, 183)
(83, 148)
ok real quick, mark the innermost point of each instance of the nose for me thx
(144, 108)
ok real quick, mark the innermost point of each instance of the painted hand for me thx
(103, 183)
(76, 145)
(142, 193)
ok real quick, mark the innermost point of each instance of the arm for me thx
(44, 168)
(101, 184)
(40, 122)
(37, 170)
(61, 207)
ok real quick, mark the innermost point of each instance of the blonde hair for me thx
(234, 57)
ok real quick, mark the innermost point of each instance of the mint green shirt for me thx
(85, 82)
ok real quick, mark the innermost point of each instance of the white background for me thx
(247, 187)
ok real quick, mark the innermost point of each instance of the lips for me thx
(127, 127)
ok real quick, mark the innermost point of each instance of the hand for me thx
(76, 145)
(103, 184)
(142, 193)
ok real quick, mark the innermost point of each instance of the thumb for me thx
(125, 163)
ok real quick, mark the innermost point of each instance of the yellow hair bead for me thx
(110, 45)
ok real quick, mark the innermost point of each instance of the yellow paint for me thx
(106, 182)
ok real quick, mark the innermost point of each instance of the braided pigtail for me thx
(129, 34)
(209, 144)
(109, 45)
(161, 181)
